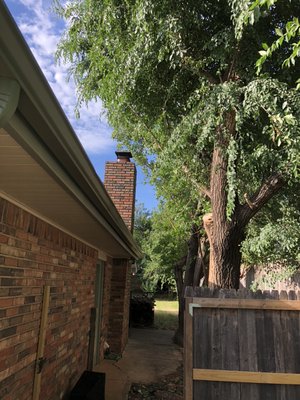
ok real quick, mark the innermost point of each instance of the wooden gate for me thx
(241, 345)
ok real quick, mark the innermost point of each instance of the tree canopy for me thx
(179, 83)
(286, 33)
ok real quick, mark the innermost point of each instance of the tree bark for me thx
(226, 255)
(191, 256)
(226, 235)
(178, 269)
(189, 262)
(201, 266)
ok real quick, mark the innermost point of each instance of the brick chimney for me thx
(120, 183)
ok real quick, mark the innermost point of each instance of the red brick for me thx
(3, 239)
(69, 267)
(48, 258)
(120, 180)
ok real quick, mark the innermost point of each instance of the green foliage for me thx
(292, 29)
(273, 275)
(169, 73)
(141, 310)
(273, 241)
(166, 244)
(142, 224)
(159, 69)
(288, 34)
(274, 237)
(162, 239)
(141, 232)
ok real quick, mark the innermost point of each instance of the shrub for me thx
(141, 310)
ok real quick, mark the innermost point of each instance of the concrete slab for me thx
(149, 355)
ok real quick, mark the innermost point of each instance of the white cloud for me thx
(42, 32)
(32, 3)
(96, 142)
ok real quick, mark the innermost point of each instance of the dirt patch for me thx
(170, 387)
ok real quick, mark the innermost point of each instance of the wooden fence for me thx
(241, 345)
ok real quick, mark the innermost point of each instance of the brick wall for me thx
(106, 301)
(120, 182)
(33, 254)
(119, 306)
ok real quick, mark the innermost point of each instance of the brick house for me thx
(65, 251)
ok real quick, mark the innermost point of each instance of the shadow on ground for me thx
(149, 357)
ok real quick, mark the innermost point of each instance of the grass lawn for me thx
(166, 314)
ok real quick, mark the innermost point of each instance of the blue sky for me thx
(42, 30)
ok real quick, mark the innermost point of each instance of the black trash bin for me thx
(90, 386)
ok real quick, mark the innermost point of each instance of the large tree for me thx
(179, 84)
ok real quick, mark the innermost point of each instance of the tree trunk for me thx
(226, 235)
(191, 256)
(178, 337)
(225, 258)
(189, 262)
(201, 266)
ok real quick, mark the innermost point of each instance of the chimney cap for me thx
(123, 155)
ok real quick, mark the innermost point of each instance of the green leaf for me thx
(278, 32)
(263, 53)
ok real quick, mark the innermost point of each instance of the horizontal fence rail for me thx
(245, 377)
(241, 345)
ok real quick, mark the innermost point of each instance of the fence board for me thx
(251, 304)
(223, 375)
(188, 353)
(247, 336)
(202, 329)
(230, 350)
(248, 351)
(265, 351)
(216, 350)
(279, 345)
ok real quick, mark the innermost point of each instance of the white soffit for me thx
(23, 179)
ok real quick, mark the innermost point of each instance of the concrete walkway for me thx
(149, 355)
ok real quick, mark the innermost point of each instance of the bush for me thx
(142, 310)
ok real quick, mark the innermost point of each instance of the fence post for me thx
(188, 351)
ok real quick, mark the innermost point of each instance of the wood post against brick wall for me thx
(41, 344)
(242, 345)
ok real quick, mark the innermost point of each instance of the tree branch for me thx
(201, 189)
(156, 141)
(229, 74)
(254, 203)
(209, 77)
(191, 65)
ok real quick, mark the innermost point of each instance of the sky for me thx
(42, 30)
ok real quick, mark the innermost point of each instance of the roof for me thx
(43, 165)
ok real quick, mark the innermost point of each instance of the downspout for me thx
(9, 99)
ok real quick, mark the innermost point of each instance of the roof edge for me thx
(9, 99)
(33, 84)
